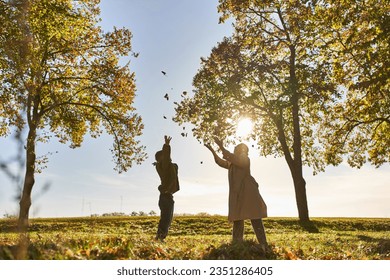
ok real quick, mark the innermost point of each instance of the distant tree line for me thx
(120, 214)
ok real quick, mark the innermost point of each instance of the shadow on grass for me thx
(246, 250)
(382, 246)
(309, 226)
(292, 224)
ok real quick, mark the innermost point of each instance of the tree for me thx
(142, 213)
(134, 213)
(355, 36)
(270, 70)
(61, 78)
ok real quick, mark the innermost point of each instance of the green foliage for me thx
(355, 40)
(60, 75)
(196, 238)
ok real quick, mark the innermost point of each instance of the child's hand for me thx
(167, 139)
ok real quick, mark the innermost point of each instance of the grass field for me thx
(195, 238)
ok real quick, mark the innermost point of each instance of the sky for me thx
(172, 36)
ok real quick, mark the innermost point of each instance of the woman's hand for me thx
(208, 146)
(218, 142)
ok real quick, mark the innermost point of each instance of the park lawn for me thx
(195, 238)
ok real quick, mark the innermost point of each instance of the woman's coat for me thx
(245, 201)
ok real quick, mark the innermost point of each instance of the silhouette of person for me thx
(245, 201)
(168, 173)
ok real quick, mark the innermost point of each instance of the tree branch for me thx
(98, 109)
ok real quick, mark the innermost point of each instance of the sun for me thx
(244, 127)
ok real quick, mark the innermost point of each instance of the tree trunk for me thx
(296, 168)
(299, 185)
(294, 160)
(29, 180)
(296, 173)
(300, 196)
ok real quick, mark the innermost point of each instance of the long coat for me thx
(245, 201)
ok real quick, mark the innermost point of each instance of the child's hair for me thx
(158, 156)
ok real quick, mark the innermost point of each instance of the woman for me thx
(245, 201)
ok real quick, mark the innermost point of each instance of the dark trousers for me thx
(166, 204)
(258, 227)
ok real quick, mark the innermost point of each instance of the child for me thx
(168, 173)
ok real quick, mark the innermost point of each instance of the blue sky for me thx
(171, 36)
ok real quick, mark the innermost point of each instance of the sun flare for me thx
(244, 127)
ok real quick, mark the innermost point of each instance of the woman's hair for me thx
(242, 148)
